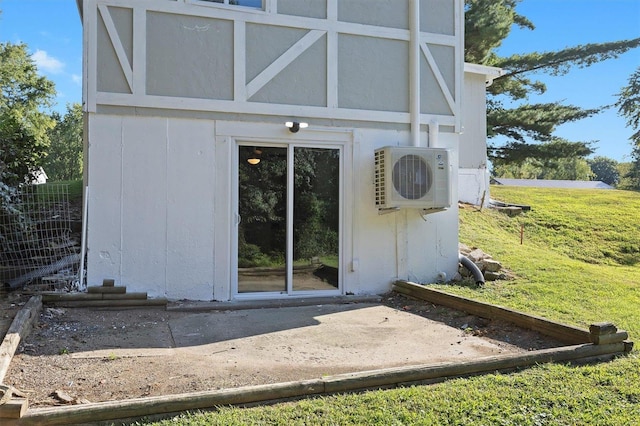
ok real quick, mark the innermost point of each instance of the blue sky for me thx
(53, 32)
(565, 23)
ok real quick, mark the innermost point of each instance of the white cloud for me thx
(47, 63)
(77, 79)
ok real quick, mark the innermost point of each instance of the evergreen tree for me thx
(487, 24)
(629, 107)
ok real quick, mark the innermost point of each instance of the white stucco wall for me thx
(404, 244)
(474, 172)
(473, 187)
(162, 207)
(151, 205)
(473, 140)
(172, 88)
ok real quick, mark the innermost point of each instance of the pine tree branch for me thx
(559, 62)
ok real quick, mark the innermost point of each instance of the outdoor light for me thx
(294, 126)
(254, 158)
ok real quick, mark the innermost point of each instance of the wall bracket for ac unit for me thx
(388, 210)
(425, 212)
(429, 211)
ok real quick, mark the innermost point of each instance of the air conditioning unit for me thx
(412, 177)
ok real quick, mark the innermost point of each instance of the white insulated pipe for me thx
(414, 73)
(434, 132)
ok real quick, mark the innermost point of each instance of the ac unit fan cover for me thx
(411, 177)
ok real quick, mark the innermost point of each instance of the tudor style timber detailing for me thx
(328, 59)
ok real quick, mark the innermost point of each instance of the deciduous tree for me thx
(23, 129)
(536, 161)
(64, 159)
(23, 123)
(605, 170)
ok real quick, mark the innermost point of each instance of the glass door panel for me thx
(262, 231)
(316, 218)
(289, 224)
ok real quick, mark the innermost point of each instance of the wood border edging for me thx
(167, 405)
(384, 378)
(565, 333)
(19, 329)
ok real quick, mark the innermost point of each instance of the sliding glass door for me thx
(288, 230)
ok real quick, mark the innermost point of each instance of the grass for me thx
(578, 264)
(75, 189)
(573, 265)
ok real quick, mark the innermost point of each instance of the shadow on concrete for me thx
(408, 324)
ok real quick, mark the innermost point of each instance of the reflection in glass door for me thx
(289, 208)
(262, 232)
(316, 218)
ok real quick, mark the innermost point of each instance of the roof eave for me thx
(489, 73)
(79, 4)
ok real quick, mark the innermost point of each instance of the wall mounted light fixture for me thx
(254, 158)
(294, 126)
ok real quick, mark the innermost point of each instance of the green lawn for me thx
(580, 258)
(74, 189)
(579, 263)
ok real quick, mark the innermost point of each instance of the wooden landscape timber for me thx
(109, 303)
(19, 329)
(374, 379)
(167, 405)
(564, 333)
(602, 328)
(11, 407)
(604, 333)
(107, 295)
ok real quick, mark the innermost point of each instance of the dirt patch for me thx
(80, 355)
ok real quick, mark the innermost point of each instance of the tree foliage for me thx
(23, 124)
(556, 63)
(605, 169)
(557, 159)
(487, 24)
(534, 121)
(626, 181)
(629, 107)
(519, 152)
(64, 159)
(23, 129)
(262, 199)
(551, 168)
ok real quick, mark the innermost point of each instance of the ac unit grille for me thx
(411, 177)
(380, 178)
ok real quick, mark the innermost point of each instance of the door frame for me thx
(227, 136)
(290, 146)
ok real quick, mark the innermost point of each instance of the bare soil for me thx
(52, 366)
